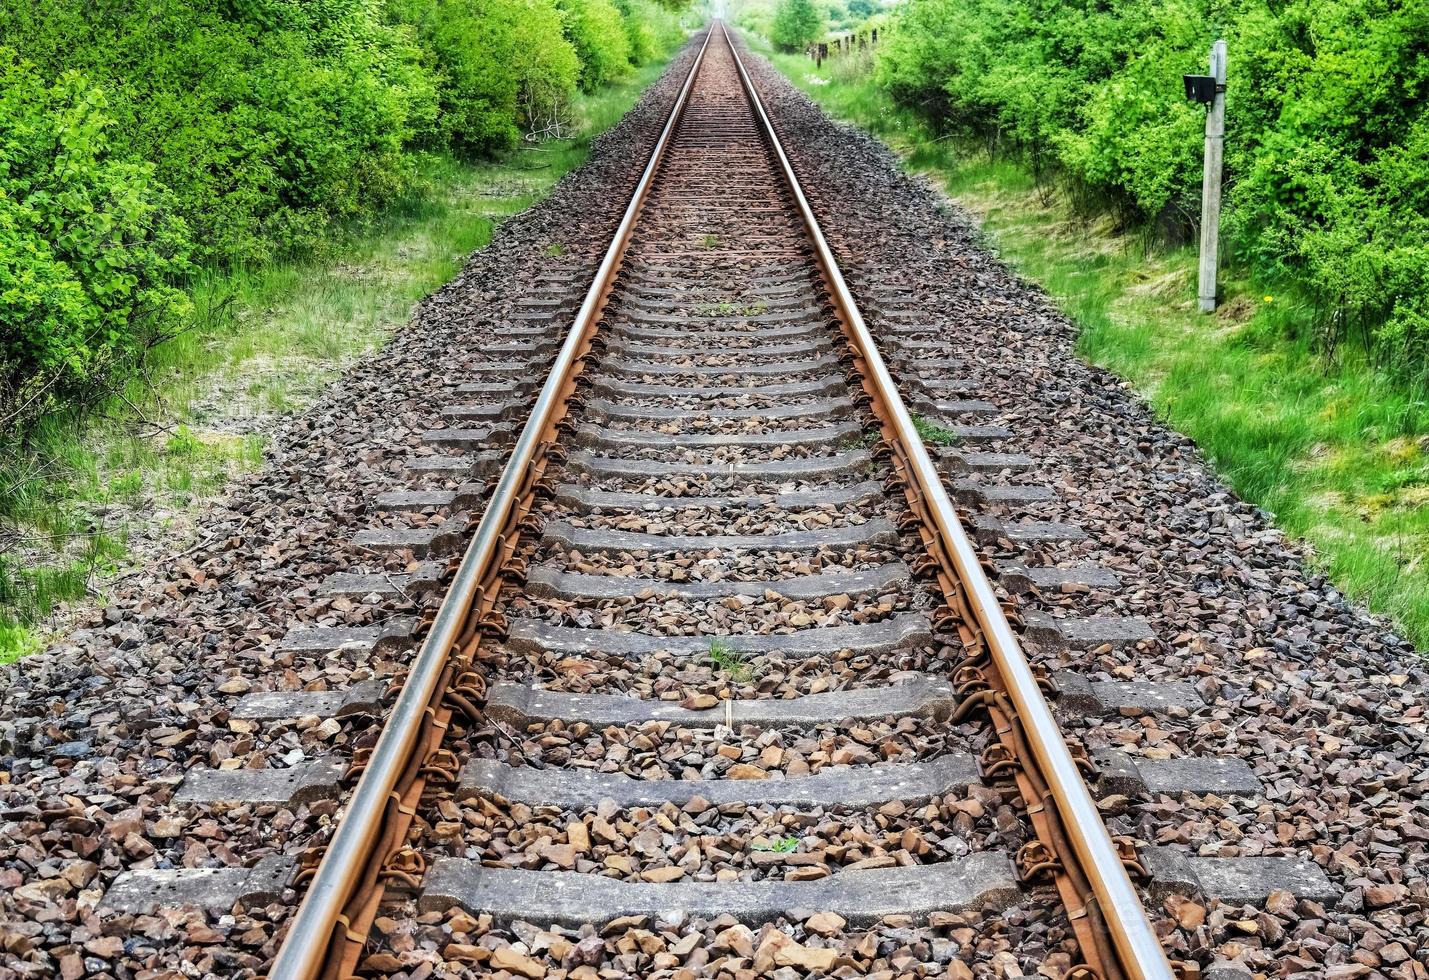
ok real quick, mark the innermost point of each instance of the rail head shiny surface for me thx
(301, 955)
(1136, 942)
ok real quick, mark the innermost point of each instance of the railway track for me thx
(720, 668)
(719, 570)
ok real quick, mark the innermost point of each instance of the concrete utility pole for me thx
(1211, 180)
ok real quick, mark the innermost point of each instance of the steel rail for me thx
(1133, 937)
(306, 942)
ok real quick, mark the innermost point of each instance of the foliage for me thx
(266, 341)
(522, 74)
(143, 139)
(650, 28)
(1336, 450)
(797, 23)
(1327, 155)
(90, 245)
(594, 27)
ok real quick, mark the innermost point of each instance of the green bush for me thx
(797, 23)
(522, 72)
(146, 137)
(1327, 157)
(596, 30)
(651, 29)
(90, 247)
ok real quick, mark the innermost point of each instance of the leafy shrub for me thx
(595, 28)
(651, 28)
(266, 122)
(1327, 157)
(797, 23)
(521, 71)
(143, 136)
(90, 244)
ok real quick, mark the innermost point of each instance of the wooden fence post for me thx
(1211, 181)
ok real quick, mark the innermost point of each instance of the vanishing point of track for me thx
(719, 447)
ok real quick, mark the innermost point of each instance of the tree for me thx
(797, 24)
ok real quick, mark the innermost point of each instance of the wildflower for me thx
(1270, 299)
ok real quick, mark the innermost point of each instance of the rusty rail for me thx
(330, 926)
(366, 852)
(1090, 868)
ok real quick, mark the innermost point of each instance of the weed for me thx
(555, 249)
(779, 845)
(934, 433)
(733, 663)
(710, 241)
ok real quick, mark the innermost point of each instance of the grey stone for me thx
(852, 786)
(417, 540)
(1020, 578)
(807, 315)
(420, 541)
(978, 433)
(501, 369)
(975, 492)
(214, 889)
(1088, 633)
(600, 408)
(899, 632)
(615, 440)
(78, 749)
(935, 388)
(585, 499)
(926, 365)
(315, 779)
(989, 530)
(862, 897)
(717, 335)
(465, 438)
(814, 341)
(589, 541)
(328, 639)
(355, 583)
(423, 578)
(918, 696)
(775, 369)
(404, 500)
(1134, 776)
(525, 349)
(961, 406)
(1235, 880)
(469, 464)
(518, 384)
(806, 468)
(545, 580)
(362, 697)
(615, 387)
(441, 465)
(1127, 697)
(965, 461)
(489, 411)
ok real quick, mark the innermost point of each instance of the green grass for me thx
(1337, 452)
(778, 845)
(934, 433)
(265, 344)
(733, 663)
